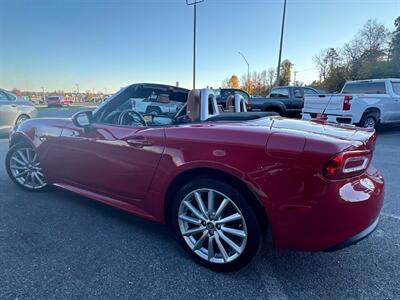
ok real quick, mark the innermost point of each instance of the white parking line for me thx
(391, 216)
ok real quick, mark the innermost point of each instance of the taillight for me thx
(347, 103)
(347, 164)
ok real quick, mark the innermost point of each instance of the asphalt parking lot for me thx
(60, 245)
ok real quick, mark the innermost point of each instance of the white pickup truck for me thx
(365, 103)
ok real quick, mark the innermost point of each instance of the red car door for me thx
(112, 160)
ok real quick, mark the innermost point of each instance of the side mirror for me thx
(83, 119)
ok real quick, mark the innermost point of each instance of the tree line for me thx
(374, 52)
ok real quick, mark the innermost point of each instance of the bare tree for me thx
(326, 62)
(225, 83)
(270, 78)
(374, 37)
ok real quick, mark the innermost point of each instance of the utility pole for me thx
(295, 73)
(278, 71)
(194, 4)
(248, 71)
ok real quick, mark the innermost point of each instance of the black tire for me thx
(10, 152)
(21, 118)
(153, 111)
(369, 121)
(252, 224)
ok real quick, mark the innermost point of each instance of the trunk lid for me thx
(345, 133)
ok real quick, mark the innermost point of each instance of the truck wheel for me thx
(369, 121)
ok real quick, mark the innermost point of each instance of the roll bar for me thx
(209, 107)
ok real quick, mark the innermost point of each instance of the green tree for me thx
(394, 52)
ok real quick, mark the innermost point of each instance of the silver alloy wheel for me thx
(369, 123)
(21, 119)
(212, 226)
(25, 168)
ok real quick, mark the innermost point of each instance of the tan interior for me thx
(193, 106)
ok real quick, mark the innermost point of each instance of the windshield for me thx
(143, 106)
(396, 87)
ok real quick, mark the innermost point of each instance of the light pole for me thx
(77, 90)
(278, 71)
(44, 95)
(194, 4)
(248, 71)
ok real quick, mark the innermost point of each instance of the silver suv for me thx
(14, 110)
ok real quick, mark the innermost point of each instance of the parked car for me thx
(222, 95)
(14, 110)
(287, 101)
(366, 103)
(56, 101)
(219, 179)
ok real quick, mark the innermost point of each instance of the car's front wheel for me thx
(216, 224)
(23, 167)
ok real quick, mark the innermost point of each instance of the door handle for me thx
(139, 142)
(14, 105)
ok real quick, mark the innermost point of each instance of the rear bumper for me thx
(356, 238)
(328, 214)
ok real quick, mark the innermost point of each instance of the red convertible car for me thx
(223, 181)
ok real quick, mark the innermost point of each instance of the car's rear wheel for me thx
(21, 119)
(216, 225)
(369, 121)
(23, 167)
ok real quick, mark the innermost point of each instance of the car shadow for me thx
(107, 212)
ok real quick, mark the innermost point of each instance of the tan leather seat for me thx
(230, 103)
(193, 106)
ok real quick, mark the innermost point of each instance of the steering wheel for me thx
(136, 118)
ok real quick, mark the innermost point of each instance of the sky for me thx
(103, 45)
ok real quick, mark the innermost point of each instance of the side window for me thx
(226, 93)
(396, 87)
(280, 93)
(309, 91)
(244, 95)
(365, 88)
(11, 97)
(217, 94)
(3, 96)
(297, 93)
